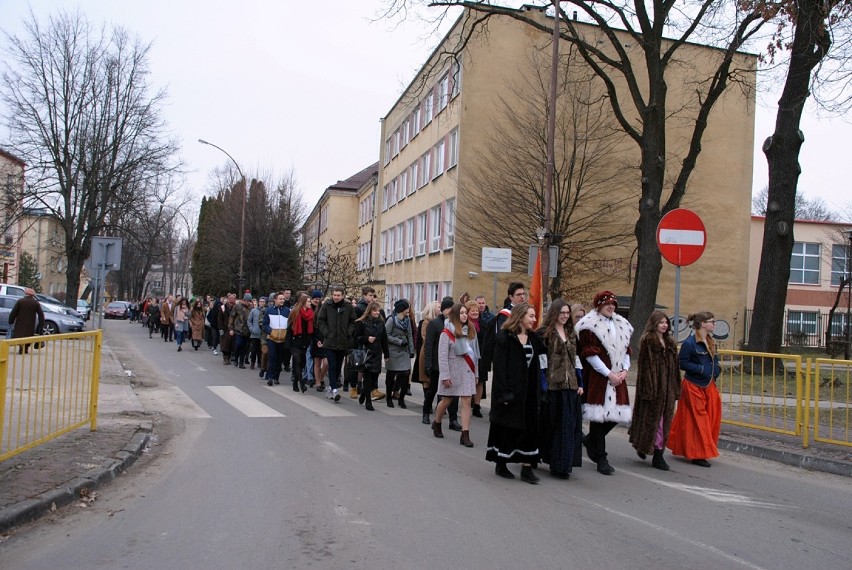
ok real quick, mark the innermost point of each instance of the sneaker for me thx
(328, 392)
(336, 395)
(215, 352)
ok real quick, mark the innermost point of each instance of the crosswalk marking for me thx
(318, 405)
(243, 402)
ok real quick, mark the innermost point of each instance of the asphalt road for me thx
(261, 477)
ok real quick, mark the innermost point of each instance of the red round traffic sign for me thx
(681, 237)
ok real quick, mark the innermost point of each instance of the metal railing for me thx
(785, 394)
(48, 387)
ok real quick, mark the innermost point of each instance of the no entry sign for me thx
(681, 237)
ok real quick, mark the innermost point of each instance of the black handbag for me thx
(357, 358)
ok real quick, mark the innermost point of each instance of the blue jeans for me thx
(179, 336)
(308, 376)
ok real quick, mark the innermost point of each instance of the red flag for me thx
(536, 291)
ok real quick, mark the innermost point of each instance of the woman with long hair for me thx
(697, 421)
(196, 323)
(657, 390)
(562, 415)
(474, 318)
(181, 316)
(513, 434)
(370, 334)
(430, 311)
(458, 358)
(401, 348)
(300, 333)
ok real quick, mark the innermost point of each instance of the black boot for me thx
(658, 460)
(528, 475)
(476, 411)
(403, 391)
(455, 425)
(426, 419)
(502, 471)
(389, 392)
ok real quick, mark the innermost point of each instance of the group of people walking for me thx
(548, 373)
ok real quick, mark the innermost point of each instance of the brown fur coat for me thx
(657, 390)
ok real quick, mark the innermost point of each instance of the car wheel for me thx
(49, 328)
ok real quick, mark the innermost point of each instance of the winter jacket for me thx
(238, 320)
(376, 349)
(698, 364)
(275, 318)
(336, 323)
(561, 361)
(254, 323)
(400, 345)
(430, 350)
(513, 381)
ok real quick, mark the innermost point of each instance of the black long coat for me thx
(513, 376)
(376, 349)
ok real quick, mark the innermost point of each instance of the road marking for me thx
(714, 495)
(243, 402)
(383, 407)
(672, 533)
(317, 404)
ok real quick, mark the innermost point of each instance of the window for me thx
(433, 291)
(406, 132)
(399, 244)
(387, 151)
(450, 214)
(839, 263)
(454, 149)
(455, 71)
(323, 219)
(415, 181)
(419, 295)
(425, 168)
(382, 248)
(435, 233)
(403, 185)
(394, 189)
(427, 108)
(391, 245)
(443, 92)
(409, 238)
(396, 140)
(838, 325)
(447, 289)
(439, 159)
(415, 121)
(802, 322)
(804, 264)
(422, 233)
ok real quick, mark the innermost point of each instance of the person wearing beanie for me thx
(401, 350)
(433, 336)
(604, 339)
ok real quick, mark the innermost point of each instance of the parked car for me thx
(54, 321)
(57, 305)
(84, 309)
(117, 310)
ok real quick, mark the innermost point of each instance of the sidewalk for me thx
(36, 482)
(40, 480)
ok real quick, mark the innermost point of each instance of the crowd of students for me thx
(548, 372)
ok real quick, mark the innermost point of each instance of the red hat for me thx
(605, 298)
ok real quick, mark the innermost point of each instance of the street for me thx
(262, 477)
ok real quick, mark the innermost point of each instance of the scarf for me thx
(475, 324)
(401, 323)
(306, 315)
(462, 345)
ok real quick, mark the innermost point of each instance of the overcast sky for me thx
(302, 84)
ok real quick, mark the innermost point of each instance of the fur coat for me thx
(657, 390)
(609, 340)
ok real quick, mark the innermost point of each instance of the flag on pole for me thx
(536, 291)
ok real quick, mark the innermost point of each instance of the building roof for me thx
(357, 180)
(12, 157)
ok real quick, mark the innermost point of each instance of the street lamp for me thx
(240, 275)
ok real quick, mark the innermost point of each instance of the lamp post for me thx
(545, 238)
(240, 275)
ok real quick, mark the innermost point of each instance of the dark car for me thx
(117, 310)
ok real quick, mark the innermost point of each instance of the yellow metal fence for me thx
(48, 386)
(783, 393)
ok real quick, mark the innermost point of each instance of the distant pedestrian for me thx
(657, 390)
(300, 332)
(275, 326)
(458, 357)
(401, 349)
(196, 323)
(697, 421)
(370, 334)
(181, 318)
(27, 317)
(153, 310)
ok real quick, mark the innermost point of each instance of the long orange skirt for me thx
(695, 428)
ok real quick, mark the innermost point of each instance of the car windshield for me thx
(119, 306)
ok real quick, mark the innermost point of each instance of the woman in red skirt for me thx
(695, 429)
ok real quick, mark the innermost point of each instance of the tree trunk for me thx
(810, 44)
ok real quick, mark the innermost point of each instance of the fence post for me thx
(807, 404)
(95, 381)
(4, 372)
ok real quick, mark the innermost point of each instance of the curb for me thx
(31, 509)
(793, 459)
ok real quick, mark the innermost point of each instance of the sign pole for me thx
(675, 324)
(494, 286)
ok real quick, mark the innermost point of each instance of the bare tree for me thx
(637, 89)
(591, 196)
(333, 265)
(805, 27)
(805, 208)
(82, 114)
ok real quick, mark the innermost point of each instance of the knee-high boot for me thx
(369, 386)
(389, 384)
(403, 390)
